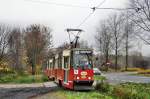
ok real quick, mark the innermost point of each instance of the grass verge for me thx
(24, 78)
(83, 94)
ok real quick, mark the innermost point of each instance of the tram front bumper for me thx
(83, 85)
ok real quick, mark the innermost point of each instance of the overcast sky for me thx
(52, 13)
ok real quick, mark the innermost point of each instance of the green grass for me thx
(146, 75)
(16, 78)
(100, 78)
(132, 91)
(122, 91)
(83, 94)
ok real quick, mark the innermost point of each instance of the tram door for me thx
(66, 63)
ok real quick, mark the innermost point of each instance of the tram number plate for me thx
(83, 76)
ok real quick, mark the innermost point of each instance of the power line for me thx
(86, 18)
(112, 8)
(70, 5)
(79, 6)
(57, 4)
(101, 3)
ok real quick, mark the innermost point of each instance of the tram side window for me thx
(53, 64)
(59, 62)
(66, 61)
(56, 63)
(50, 65)
(47, 65)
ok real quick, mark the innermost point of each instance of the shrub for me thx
(144, 71)
(6, 71)
(44, 78)
(122, 93)
(132, 69)
(131, 91)
(99, 78)
(8, 78)
(102, 86)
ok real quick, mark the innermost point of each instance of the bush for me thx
(99, 78)
(144, 71)
(132, 91)
(6, 71)
(122, 93)
(44, 78)
(22, 78)
(103, 68)
(132, 69)
(8, 78)
(102, 87)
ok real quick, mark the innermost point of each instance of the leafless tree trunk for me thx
(4, 36)
(115, 25)
(15, 49)
(128, 28)
(103, 40)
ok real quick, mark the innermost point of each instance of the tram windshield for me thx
(82, 59)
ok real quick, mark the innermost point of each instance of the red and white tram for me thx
(72, 68)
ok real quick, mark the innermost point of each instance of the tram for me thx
(72, 68)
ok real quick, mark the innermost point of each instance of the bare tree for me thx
(141, 17)
(115, 24)
(128, 29)
(38, 39)
(103, 40)
(4, 36)
(15, 49)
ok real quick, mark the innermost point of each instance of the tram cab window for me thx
(82, 59)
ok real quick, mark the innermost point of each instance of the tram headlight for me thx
(89, 78)
(77, 77)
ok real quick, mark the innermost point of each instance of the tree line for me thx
(24, 48)
(28, 47)
(115, 34)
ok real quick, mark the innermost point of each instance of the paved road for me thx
(25, 91)
(116, 78)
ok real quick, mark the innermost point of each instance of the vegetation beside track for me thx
(23, 78)
(125, 90)
(122, 91)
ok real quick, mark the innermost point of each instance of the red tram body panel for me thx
(72, 68)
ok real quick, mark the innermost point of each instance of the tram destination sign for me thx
(84, 52)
